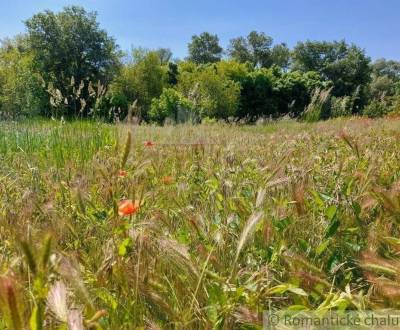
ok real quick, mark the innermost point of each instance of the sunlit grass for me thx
(219, 222)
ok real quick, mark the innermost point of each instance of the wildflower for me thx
(128, 207)
(122, 173)
(149, 144)
(167, 180)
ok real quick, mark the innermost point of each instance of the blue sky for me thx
(372, 24)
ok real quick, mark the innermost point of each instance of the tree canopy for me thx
(205, 48)
(345, 65)
(257, 49)
(66, 64)
(70, 44)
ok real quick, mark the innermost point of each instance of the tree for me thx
(172, 74)
(165, 55)
(385, 79)
(71, 44)
(388, 68)
(173, 105)
(345, 65)
(280, 56)
(21, 91)
(205, 48)
(257, 49)
(212, 93)
(140, 80)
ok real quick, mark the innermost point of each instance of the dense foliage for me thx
(67, 65)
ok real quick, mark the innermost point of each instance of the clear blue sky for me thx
(372, 24)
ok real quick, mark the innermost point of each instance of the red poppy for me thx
(149, 144)
(122, 173)
(168, 180)
(128, 207)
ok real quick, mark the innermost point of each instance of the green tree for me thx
(257, 49)
(71, 44)
(140, 80)
(280, 56)
(388, 68)
(385, 78)
(165, 55)
(345, 65)
(171, 104)
(21, 90)
(172, 73)
(257, 95)
(205, 48)
(212, 93)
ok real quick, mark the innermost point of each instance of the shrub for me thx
(293, 90)
(21, 90)
(142, 80)
(396, 105)
(341, 106)
(377, 108)
(257, 95)
(173, 105)
(213, 94)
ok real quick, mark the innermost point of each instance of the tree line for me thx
(67, 65)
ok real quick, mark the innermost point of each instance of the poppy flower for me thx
(168, 180)
(122, 173)
(149, 144)
(128, 207)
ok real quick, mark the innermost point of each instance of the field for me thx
(225, 221)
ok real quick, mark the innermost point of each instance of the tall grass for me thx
(231, 221)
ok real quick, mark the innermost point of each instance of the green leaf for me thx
(297, 308)
(322, 247)
(332, 229)
(392, 240)
(36, 319)
(282, 288)
(281, 224)
(331, 212)
(125, 247)
(108, 299)
(356, 208)
(303, 244)
(298, 291)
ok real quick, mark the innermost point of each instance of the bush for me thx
(341, 106)
(293, 91)
(21, 90)
(257, 95)
(377, 108)
(173, 105)
(212, 93)
(142, 80)
(396, 105)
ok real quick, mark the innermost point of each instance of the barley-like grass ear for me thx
(75, 320)
(246, 233)
(46, 251)
(151, 325)
(26, 248)
(9, 303)
(127, 149)
(260, 197)
(81, 203)
(57, 301)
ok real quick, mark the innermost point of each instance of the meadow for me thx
(196, 227)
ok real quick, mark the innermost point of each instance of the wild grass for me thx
(232, 221)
